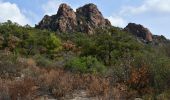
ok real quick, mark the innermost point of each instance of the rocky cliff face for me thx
(139, 31)
(85, 19)
(63, 21)
(89, 18)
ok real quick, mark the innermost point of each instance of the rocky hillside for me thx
(86, 19)
(112, 64)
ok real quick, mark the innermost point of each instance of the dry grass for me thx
(61, 83)
(16, 89)
(54, 81)
(21, 89)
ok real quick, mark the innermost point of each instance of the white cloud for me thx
(117, 21)
(51, 6)
(158, 6)
(32, 16)
(10, 11)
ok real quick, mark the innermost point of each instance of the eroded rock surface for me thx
(139, 31)
(86, 19)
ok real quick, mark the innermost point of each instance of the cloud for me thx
(32, 16)
(51, 6)
(157, 6)
(10, 11)
(117, 21)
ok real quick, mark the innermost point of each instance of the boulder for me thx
(139, 31)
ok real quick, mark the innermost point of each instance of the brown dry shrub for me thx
(21, 89)
(68, 45)
(58, 82)
(4, 91)
(98, 86)
(61, 83)
(16, 89)
(139, 79)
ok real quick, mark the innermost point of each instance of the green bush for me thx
(9, 66)
(43, 61)
(85, 65)
(160, 70)
(28, 41)
(158, 67)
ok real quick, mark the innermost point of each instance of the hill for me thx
(80, 55)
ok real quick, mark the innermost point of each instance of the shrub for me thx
(160, 71)
(9, 66)
(85, 65)
(16, 89)
(42, 61)
(158, 66)
(98, 86)
(22, 89)
(140, 79)
(1, 40)
(53, 44)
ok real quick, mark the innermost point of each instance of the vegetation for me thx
(86, 65)
(107, 63)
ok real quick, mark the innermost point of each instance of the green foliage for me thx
(160, 70)
(109, 48)
(158, 67)
(9, 65)
(53, 44)
(28, 41)
(86, 65)
(43, 61)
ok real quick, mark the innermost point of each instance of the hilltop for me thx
(87, 19)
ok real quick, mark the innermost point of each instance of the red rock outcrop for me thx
(139, 31)
(86, 19)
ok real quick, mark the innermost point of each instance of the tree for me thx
(87, 64)
(53, 44)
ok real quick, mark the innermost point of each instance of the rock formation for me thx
(86, 19)
(63, 21)
(139, 31)
(89, 18)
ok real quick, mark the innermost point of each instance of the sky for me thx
(153, 14)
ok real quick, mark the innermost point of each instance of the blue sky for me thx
(153, 14)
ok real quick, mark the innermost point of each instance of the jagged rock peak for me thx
(89, 17)
(86, 19)
(65, 20)
(139, 31)
(64, 6)
(65, 10)
(88, 7)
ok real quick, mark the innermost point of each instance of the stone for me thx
(139, 31)
(89, 18)
(63, 21)
(86, 19)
